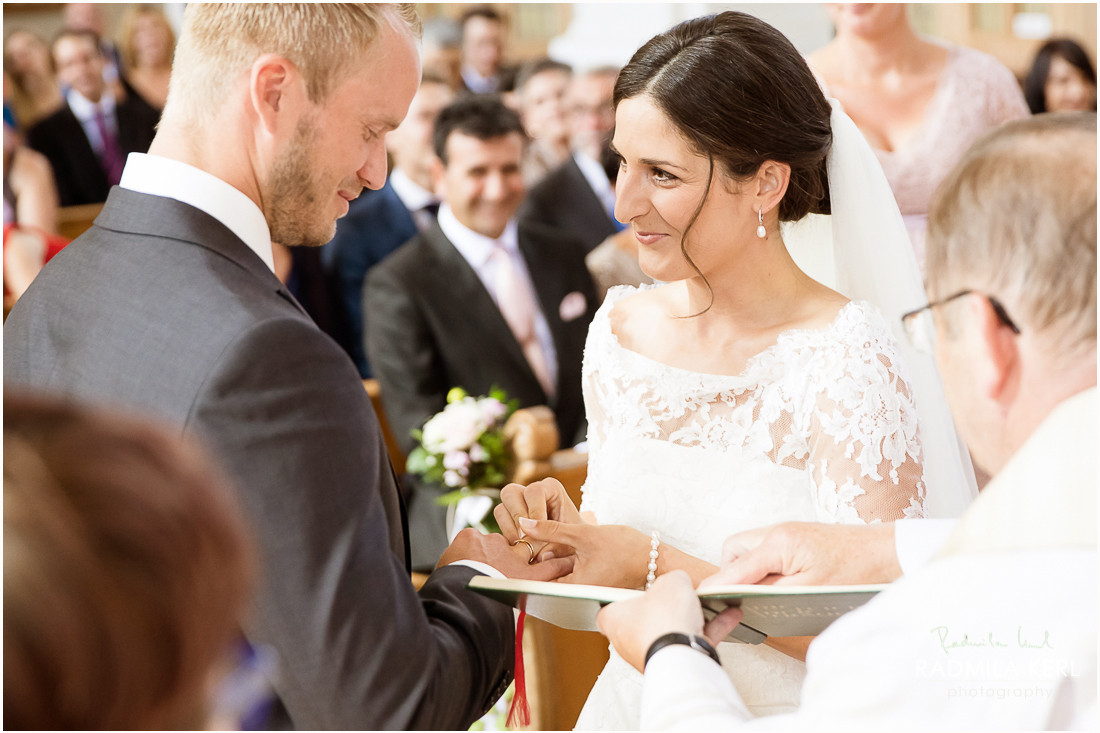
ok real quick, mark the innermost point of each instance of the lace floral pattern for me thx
(821, 426)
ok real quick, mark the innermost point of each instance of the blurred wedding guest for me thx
(1061, 79)
(88, 139)
(126, 568)
(919, 101)
(148, 43)
(998, 630)
(477, 300)
(541, 86)
(34, 91)
(30, 214)
(483, 35)
(89, 17)
(378, 222)
(441, 50)
(169, 304)
(578, 196)
(614, 261)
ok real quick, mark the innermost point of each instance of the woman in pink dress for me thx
(919, 101)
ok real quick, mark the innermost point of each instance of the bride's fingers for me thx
(552, 532)
(534, 496)
(506, 523)
(513, 499)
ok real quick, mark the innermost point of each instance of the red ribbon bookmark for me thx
(520, 712)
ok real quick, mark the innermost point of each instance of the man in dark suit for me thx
(169, 304)
(378, 222)
(476, 300)
(579, 197)
(88, 139)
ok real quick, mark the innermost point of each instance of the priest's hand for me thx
(670, 605)
(808, 553)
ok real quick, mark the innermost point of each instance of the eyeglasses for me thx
(921, 330)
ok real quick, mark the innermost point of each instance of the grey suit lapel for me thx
(156, 216)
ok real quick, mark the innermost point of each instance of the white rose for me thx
(456, 428)
(491, 409)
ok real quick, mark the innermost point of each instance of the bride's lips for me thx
(648, 238)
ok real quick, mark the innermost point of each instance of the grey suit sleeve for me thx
(402, 353)
(358, 648)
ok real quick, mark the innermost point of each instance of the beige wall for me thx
(533, 26)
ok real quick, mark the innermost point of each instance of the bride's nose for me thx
(630, 201)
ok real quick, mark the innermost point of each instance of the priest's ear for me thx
(995, 350)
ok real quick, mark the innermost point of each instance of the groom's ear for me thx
(770, 184)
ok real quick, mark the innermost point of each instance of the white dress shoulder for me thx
(818, 427)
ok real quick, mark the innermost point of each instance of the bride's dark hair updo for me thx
(741, 94)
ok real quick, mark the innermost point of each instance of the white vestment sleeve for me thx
(917, 540)
(686, 690)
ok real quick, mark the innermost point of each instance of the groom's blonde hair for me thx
(1016, 219)
(324, 41)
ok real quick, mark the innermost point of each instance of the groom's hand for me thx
(511, 560)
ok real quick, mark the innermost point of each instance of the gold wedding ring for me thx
(530, 548)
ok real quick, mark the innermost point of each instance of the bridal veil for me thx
(862, 251)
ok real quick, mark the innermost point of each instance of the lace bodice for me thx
(818, 427)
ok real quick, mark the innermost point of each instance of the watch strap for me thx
(696, 642)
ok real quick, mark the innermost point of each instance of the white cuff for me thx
(478, 566)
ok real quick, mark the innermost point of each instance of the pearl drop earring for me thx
(760, 230)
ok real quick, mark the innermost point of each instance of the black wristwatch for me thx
(696, 642)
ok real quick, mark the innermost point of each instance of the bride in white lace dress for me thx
(742, 392)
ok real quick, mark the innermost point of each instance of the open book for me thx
(768, 610)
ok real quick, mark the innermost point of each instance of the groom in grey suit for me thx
(169, 305)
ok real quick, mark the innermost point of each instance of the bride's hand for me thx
(545, 499)
(606, 554)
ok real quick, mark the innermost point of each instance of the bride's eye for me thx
(660, 175)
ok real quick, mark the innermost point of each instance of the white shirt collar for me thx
(173, 179)
(477, 83)
(596, 177)
(85, 109)
(476, 248)
(414, 196)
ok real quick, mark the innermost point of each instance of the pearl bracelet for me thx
(654, 543)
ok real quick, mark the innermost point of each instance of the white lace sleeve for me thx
(864, 453)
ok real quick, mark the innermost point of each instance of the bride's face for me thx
(660, 185)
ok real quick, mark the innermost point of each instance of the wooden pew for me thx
(397, 456)
(561, 665)
(72, 221)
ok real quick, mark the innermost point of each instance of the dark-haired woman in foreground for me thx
(744, 392)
